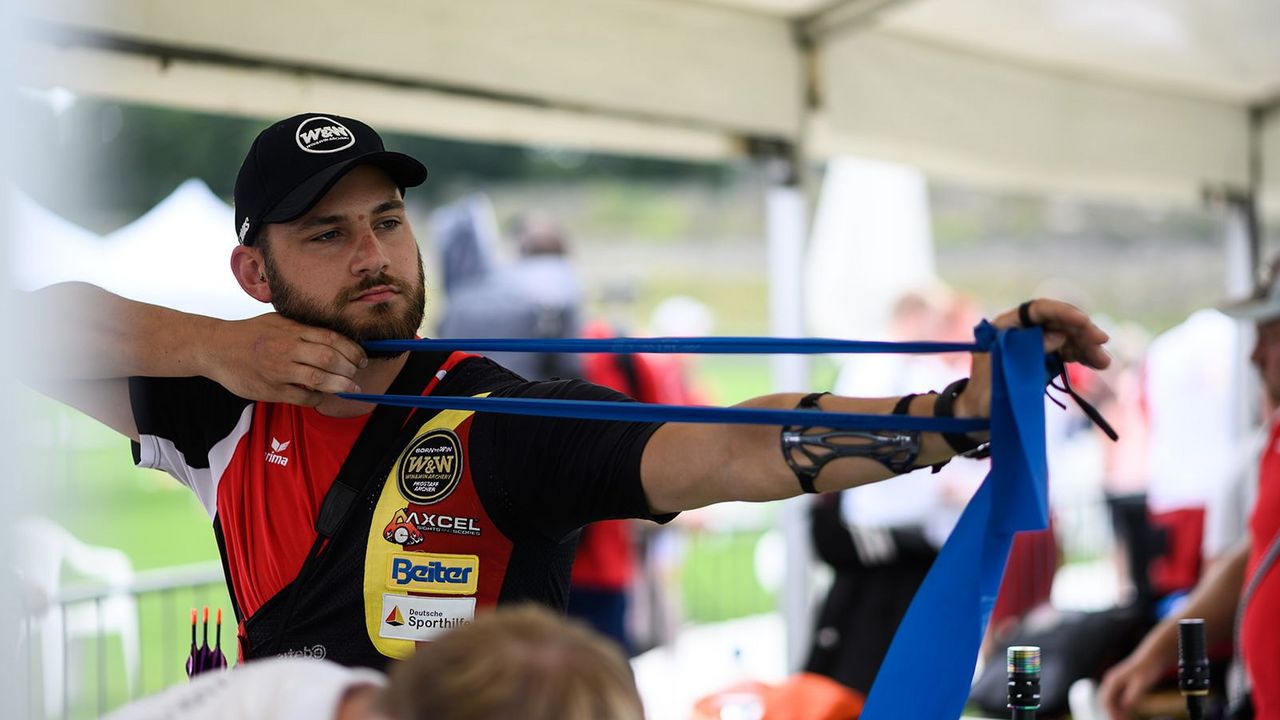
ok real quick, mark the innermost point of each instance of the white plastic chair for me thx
(44, 549)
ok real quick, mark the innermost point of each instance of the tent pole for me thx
(787, 223)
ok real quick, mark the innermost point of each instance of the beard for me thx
(385, 323)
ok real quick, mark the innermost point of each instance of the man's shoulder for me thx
(477, 374)
(179, 396)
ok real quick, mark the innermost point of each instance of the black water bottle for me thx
(1024, 681)
(1193, 666)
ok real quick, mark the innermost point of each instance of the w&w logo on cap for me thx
(320, 134)
(295, 162)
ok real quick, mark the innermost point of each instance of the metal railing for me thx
(70, 641)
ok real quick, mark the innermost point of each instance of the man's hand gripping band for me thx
(807, 452)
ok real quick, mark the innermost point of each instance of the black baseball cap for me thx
(293, 163)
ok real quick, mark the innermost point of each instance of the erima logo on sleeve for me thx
(324, 135)
(275, 456)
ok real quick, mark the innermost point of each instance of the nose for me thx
(370, 257)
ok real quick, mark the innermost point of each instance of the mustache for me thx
(370, 282)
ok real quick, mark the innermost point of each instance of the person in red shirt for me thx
(1244, 579)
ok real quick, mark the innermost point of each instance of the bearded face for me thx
(396, 319)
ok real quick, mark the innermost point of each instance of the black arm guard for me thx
(807, 452)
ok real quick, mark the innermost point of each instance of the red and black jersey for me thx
(476, 509)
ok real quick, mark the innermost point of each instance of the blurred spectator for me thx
(1239, 595)
(881, 544)
(537, 296)
(604, 577)
(522, 662)
(466, 237)
(282, 688)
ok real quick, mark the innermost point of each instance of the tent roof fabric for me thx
(1146, 98)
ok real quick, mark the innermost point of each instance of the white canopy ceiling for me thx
(1143, 98)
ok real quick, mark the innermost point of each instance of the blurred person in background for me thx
(1238, 595)
(362, 530)
(607, 573)
(882, 540)
(520, 662)
(539, 295)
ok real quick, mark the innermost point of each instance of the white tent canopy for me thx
(1145, 98)
(179, 255)
(48, 249)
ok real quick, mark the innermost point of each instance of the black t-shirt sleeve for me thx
(554, 475)
(180, 420)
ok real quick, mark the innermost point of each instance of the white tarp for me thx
(1138, 99)
(980, 119)
(871, 242)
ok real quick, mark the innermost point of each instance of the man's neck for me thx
(374, 379)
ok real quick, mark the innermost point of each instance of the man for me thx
(434, 516)
(1244, 568)
(521, 662)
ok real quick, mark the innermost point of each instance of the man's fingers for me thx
(1053, 341)
(1111, 696)
(314, 378)
(1133, 692)
(1069, 331)
(326, 358)
(353, 353)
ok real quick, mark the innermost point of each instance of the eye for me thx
(325, 236)
(390, 223)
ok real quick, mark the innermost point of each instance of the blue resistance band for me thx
(651, 412)
(927, 671)
(694, 345)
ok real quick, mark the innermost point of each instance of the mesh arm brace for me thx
(807, 451)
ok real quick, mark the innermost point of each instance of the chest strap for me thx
(370, 457)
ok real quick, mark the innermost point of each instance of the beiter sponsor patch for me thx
(430, 468)
(439, 573)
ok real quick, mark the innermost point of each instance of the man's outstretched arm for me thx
(686, 466)
(84, 342)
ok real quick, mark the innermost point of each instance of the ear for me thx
(251, 272)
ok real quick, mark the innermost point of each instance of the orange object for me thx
(804, 696)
